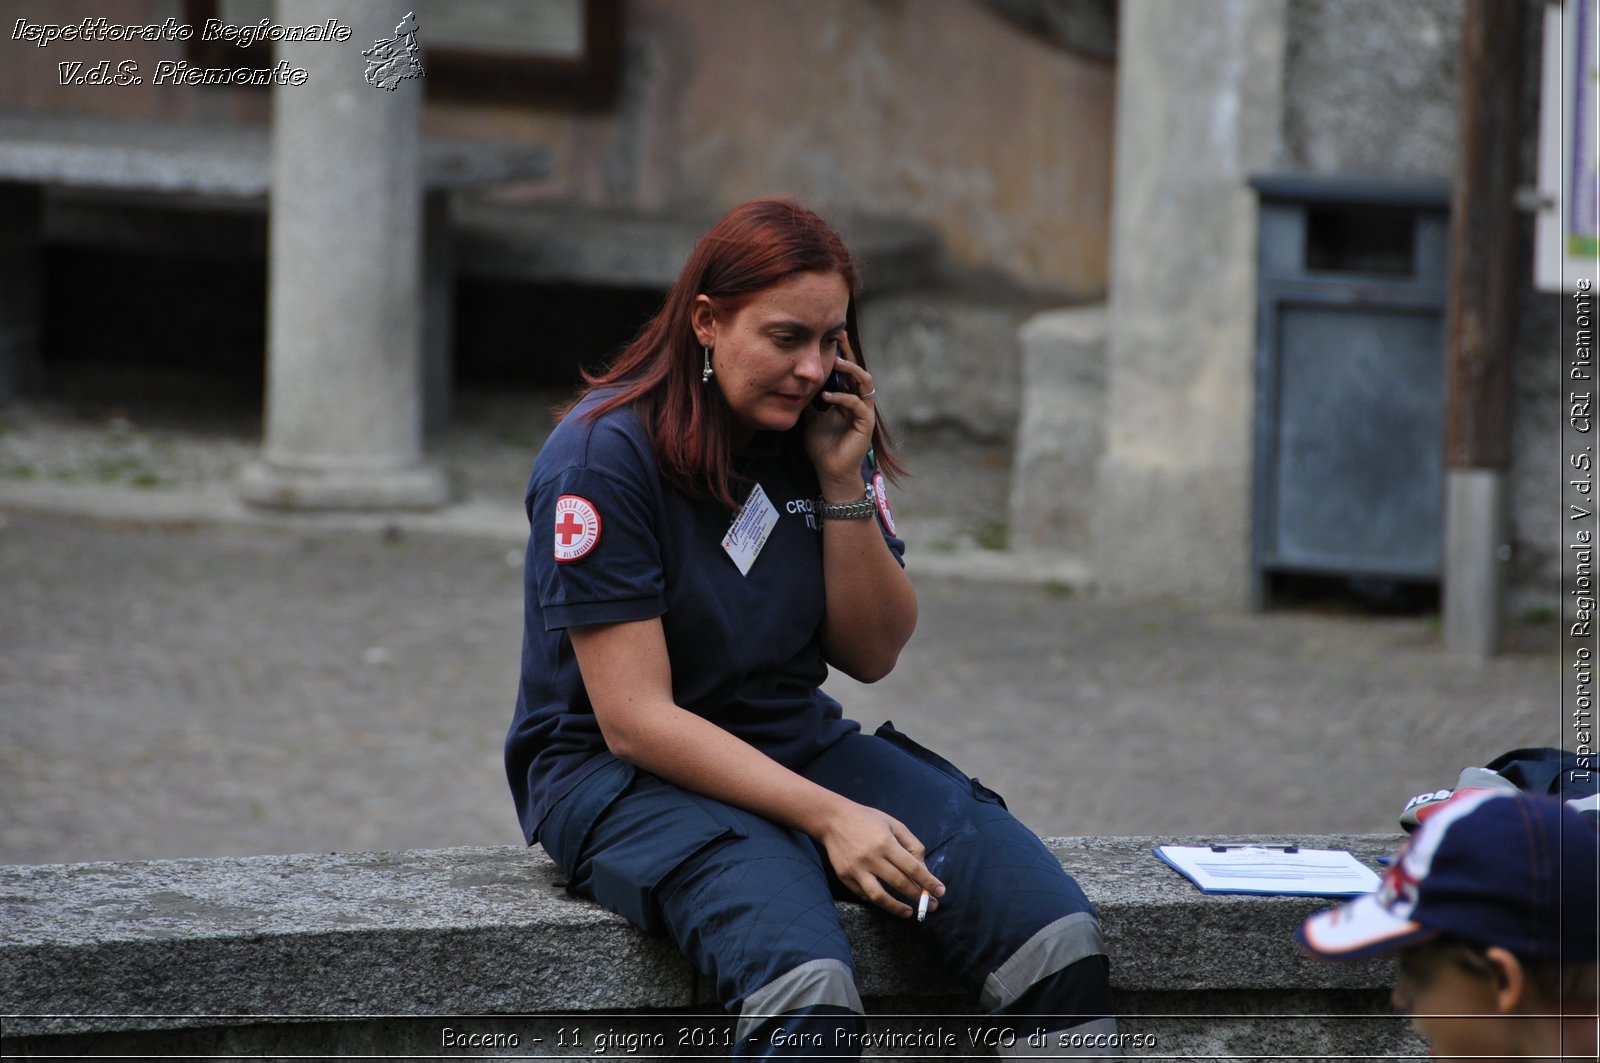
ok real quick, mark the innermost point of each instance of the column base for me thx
(363, 489)
(1160, 529)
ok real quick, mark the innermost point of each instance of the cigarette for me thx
(922, 906)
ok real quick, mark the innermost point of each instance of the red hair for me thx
(753, 247)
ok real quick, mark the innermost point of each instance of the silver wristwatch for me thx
(857, 510)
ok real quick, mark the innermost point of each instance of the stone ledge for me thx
(131, 154)
(568, 243)
(98, 948)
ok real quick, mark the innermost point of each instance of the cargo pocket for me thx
(567, 825)
(901, 741)
(648, 830)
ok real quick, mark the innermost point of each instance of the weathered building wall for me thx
(942, 111)
(1363, 88)
(1371, 88)
(938, 110)
(946, 114)
(1200, 111)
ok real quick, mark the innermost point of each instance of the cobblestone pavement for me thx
(185, 686)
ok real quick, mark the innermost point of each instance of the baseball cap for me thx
(1491, 867)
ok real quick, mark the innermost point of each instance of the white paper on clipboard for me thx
(1271, 870)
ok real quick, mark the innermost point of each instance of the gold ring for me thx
(869, 394)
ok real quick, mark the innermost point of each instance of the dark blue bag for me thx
(1535, 769)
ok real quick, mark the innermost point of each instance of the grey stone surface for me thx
(1163, 531)
(440, 932)
(1350, 63)
(138, 155)
(344, 409)
(1198, 112)
(208, 158)
(1477, 552)
(169, 944)
(1061, 435)
(951, 357)
(567, 243)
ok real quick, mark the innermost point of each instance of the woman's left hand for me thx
(838, 438)
(871, 608)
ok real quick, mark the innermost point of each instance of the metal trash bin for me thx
(1350, 379)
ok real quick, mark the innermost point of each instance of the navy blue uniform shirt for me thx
(611, 541)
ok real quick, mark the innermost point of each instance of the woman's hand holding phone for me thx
(838, 445)
(835, 382)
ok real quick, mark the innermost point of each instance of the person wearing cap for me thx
(1492, 908)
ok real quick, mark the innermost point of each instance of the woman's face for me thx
(772, 355)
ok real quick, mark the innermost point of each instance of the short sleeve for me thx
(594, 551)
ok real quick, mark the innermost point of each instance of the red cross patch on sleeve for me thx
(577, 528)
(880, 494)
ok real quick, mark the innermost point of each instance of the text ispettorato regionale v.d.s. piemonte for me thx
(175, 71)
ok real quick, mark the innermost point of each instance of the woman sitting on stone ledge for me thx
(711, 533)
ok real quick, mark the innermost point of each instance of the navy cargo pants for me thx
(752, 903)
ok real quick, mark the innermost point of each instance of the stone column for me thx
(345, 304)
(1199, 109)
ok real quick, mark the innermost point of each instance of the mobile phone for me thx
(835, 382)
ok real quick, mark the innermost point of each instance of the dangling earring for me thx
(705, 374)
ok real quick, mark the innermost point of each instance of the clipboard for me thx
(1270, 868)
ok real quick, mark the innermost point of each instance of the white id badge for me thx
(749, 530)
